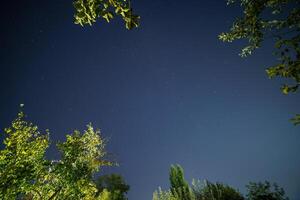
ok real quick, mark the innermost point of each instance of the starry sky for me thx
(168, 92)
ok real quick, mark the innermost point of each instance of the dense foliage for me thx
(218, 191)
(204, 190)
(179, 186)
(23, 167)
(26, 173)
(88, 12)
(115, 184)
(261, 191)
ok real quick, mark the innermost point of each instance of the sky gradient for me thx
(168, 92)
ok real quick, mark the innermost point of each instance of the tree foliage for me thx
(265, 191)
(181, 190)
(215, 191)
(164, 195)
(88, 12)
(179, 186)
(205, 190)
(26, 173)
(22, 162)
(82, 156)
(115, 184)
(271, 19)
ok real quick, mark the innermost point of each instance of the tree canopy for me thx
(179, 186)
(199, 190)
(205, 190)
(265, 190)
(26, 173)
(22, 162)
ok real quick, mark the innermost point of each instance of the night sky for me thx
(168, 92)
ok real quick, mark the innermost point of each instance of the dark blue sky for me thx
(168, 92)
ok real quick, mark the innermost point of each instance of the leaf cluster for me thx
(88, 11)
(271, 19)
